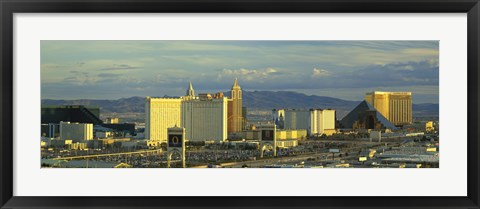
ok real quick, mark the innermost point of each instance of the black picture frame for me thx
(10, 7)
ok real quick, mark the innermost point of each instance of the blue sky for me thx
(342, 69)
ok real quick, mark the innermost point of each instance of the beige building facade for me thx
(160, 114)
(322, 121)
(205, 119)
(291, 134)
(395, 106)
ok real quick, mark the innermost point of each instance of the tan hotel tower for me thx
(395, 106)
(235, 118)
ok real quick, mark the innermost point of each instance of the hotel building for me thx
(395, 106)
(235, 113)
(204, 117)
(322, 122)
(315, 121)
(160, 114)
(297, 119)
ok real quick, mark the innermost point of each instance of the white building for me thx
(297, 119)
(322, 122)
(160, 114)
(205, 119)
(76, 132)
(315, 121)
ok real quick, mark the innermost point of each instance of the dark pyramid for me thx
(360, 112)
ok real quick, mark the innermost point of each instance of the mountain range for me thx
(253, 100)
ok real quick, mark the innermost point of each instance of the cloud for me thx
(80, 79)
(80, 64)
(264, 65)
(251, 74)
(119, 67)
(395, 74)
(317, 72)
(108, 75)
(70, 79)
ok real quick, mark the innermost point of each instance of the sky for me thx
(341, 69)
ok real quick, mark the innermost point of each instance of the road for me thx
(108, 155)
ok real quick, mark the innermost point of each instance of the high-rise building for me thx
(297, 119)
(77, 132)
(235, 119)
(204, 117)
(314, 121)
(160, 114)
(322, 121)
(395, 106)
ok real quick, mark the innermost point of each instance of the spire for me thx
(235, 84)
(190, 91)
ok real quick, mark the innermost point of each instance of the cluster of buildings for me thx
(204, 117)
(315, 122)
(208, 117)
(380, 110)
(216, 117)
(80, 127)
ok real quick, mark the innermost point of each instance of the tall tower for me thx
(190, 91)
(235, 117)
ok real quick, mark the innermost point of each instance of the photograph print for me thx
(239, 104)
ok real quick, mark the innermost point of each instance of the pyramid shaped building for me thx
(365, 116)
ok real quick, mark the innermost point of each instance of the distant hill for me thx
(253, 100)
(288, 99)
(267, 100)
(426, 109)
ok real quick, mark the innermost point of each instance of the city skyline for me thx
(194, 110)
(341, 69)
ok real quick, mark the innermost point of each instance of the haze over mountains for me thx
(253, 100)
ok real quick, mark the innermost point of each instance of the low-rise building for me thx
(77, 132)
(104, 134)
(287, 143)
